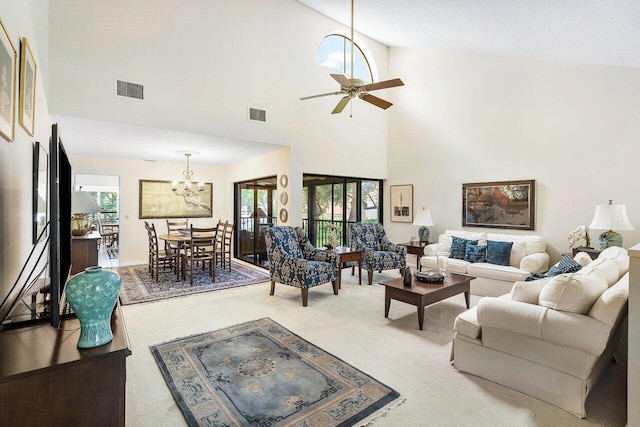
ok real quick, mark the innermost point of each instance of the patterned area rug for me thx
(138, 285)
(260, 374)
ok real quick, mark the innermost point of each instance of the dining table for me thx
(179, 238)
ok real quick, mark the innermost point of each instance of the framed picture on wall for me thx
(159, 200)
(27, 104)
(8, 62)
(500, 204)
(402, 203)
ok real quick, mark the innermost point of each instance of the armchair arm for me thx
(561, 328)
(431, 250)
(537, 262)
(392, 247)
(323, 256)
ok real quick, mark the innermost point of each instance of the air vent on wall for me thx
(129, 90)
(256, 115)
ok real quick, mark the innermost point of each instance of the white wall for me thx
(21, 19)
(134, 247)
(573, 128)
(203, 62)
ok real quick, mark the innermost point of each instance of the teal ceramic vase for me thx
(92, 296)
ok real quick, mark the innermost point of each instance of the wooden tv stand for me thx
(46, 380)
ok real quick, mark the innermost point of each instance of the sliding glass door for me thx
(338, 200)
(256, 203)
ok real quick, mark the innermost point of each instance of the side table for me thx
(348, 255)
(416, 249)
(593, 253)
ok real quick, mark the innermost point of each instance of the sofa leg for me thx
(273, 287)
(305, 296)
(335, 287)
(370, 276)
(402, 271)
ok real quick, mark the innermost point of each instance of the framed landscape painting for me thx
(8, 61)
(27, 87)
(402, 203)
(501, 204)
(158, 200)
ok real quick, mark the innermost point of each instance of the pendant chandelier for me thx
(188, 192)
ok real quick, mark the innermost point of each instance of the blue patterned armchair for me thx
(378, 253)
(295, 262)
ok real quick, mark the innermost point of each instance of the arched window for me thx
(335, 52)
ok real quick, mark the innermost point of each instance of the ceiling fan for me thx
(352, 87)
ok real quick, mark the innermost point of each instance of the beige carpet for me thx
(352, 326)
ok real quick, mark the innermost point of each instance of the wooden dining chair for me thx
(224, 249)
(159, 258)
(220, 228)
(173, 227)
(201, 248)
(108, 232)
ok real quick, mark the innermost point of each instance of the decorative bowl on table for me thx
(429, 277)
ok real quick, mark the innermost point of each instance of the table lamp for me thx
(423, 219)
(608, 217)
(81, 204)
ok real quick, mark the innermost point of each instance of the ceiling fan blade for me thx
(384, 85)
(378, 102)
(341, 79)
(343, 103)
(322, 94)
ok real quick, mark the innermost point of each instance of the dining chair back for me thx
(173, 227)
(224, 249)
(157, 257)
(201, 248)
(108, 232)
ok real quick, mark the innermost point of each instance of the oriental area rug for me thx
(138, 285)
(259, 373)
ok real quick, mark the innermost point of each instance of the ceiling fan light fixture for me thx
(353, 87)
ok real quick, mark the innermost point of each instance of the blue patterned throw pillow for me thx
(568, 265)
(459, 247)
(475, 253)
(499, 253)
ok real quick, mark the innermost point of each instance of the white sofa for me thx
(551, 338)
(528, 255)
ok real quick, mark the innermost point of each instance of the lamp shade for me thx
(82, 202)
(259, 213)
(611, 217)
(423, 218)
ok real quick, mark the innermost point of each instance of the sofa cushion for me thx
(605, 267)
(608, 305)
(528, 291)
(496, 272)
(518, 251)
(499, 252)
(582, 258)
(459, 247)
(572, 292)
(533, 243)
(619, 255)
(475, 253)
(445, 240)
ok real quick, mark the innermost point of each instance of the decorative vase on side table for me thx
(92, 295)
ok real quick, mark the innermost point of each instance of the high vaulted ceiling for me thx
(603, 32)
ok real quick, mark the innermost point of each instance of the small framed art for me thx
(402, 203)
(27, 104)
(8, 61)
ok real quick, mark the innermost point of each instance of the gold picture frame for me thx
(8, 64)
(402, 203)
(158, 200)
(499, 204)
(27, 104)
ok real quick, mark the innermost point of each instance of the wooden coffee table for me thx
(422, 294)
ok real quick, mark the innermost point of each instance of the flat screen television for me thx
(48, 265)
(60, 177)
